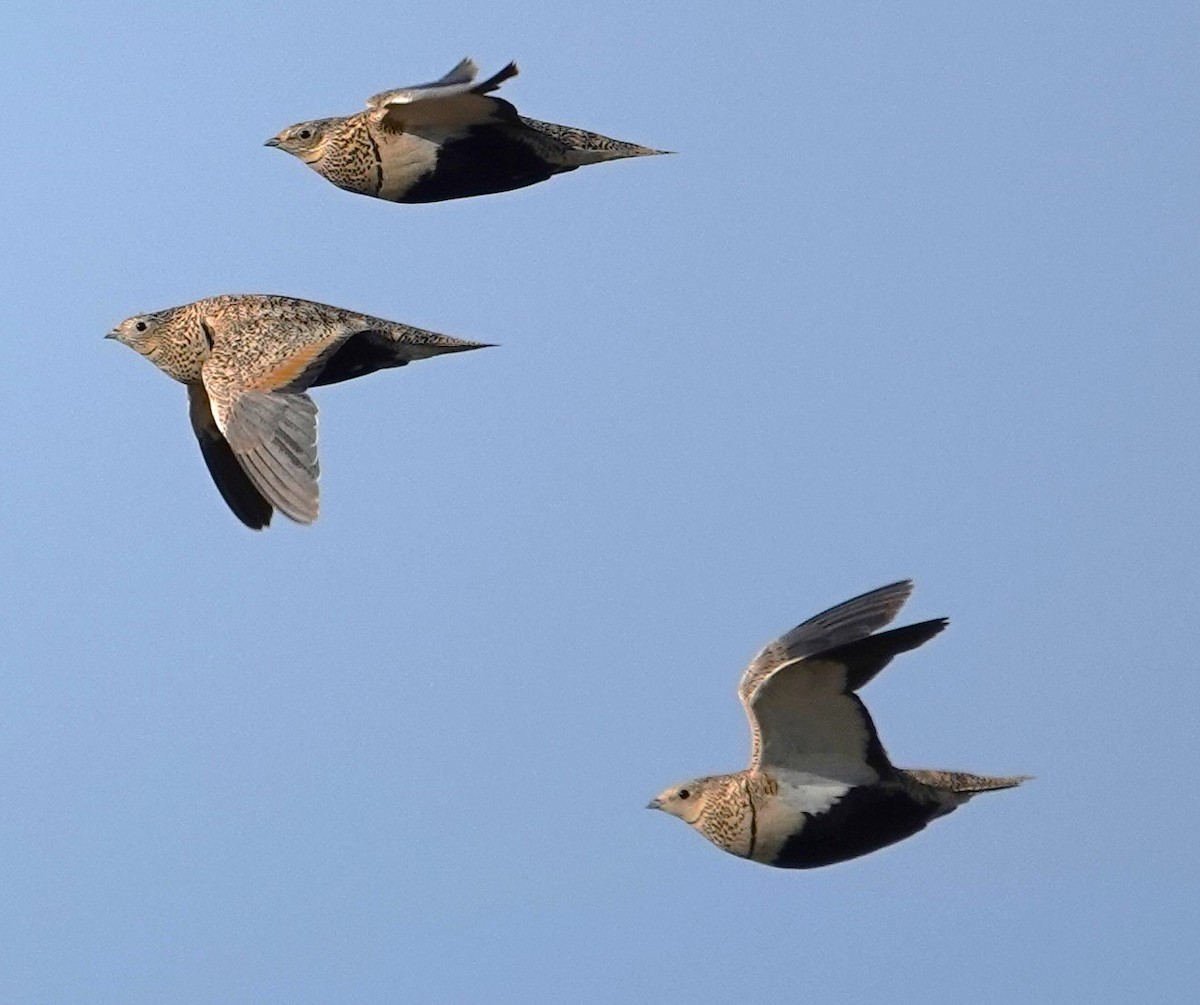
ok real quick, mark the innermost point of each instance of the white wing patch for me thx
(782, 817)
(408, 157)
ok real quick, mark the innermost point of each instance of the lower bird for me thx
(820, 788)
(449, 139)
(247, 361)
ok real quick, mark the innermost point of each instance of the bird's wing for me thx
(846, 622)
(463, 72)
(458, 81)
(273, 436)
(235, 486)
(805, 716)
(452, 102)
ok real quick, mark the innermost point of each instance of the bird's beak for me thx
(654, 804)
(272, 142)
(111, 334)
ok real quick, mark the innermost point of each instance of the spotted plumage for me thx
(247, 361)
(448, 139)
(820, 788)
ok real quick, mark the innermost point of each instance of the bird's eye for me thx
(683, 794)
(305, 134)
(140, 326)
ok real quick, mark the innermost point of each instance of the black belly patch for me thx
(862, 821)
(362, 353)
(487, 160)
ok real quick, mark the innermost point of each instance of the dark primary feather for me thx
(864, 658)
(496, 79)
(235, 486)
(362, 353)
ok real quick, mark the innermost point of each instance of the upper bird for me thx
(820, 788)
(247, 361)
(444, 140)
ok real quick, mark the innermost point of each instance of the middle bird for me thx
(247, 360)
(444, 140)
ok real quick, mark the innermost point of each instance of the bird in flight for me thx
(820, 788)
(247, 361)
(448, 139)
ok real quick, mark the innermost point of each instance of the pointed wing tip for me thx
(493, 82)
(897, 592)
(463, 345)
(252, 513)
(916, 634)
(900, 590)
(895, 595)
(937, 626)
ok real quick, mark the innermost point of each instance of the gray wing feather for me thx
(804, 714)
(274, 437)
(235, 486)
(457, 81)
(463, 73)
(854, 619)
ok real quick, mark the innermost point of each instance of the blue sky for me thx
(917, 297)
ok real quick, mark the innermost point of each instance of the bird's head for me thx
(306, 140)
(174, 340)
(142, 333)
(686, 800)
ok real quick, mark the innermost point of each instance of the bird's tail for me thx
(577, 147)
(960, 783)
(408, 343)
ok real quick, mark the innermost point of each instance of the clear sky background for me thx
(917, 297)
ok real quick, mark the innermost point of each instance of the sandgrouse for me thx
(820, 788)
(247, 361)
(444, 140)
